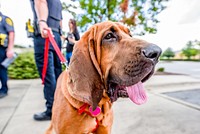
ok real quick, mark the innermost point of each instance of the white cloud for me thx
(174, 30)
(191, 13)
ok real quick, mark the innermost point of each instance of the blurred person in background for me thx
(72, 37)
(6, 50)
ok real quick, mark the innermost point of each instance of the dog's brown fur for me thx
(86, 79)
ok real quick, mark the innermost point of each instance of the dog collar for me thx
(91, 113)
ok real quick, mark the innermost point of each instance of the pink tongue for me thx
(136, 93)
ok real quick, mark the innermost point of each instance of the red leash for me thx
(46, 50)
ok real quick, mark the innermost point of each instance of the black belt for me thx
(55, 29)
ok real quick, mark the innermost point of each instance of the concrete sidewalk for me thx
(160, 115)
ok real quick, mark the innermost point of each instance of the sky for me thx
(179, 22)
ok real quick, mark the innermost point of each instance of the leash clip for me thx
(65, 64)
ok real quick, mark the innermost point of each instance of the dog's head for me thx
(107, 58)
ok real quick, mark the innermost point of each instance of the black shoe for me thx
(2, 95)
(42, 116)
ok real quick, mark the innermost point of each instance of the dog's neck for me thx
(75, 102)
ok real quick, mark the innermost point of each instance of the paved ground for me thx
(162, 114)
(191, 68)
(190, 96)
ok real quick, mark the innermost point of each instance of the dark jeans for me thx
(68, 57)
(3, 71)
(53, 69)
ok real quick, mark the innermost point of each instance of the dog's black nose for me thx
(152, 52)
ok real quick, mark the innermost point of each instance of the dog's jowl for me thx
(107, 63)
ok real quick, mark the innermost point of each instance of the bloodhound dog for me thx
(107, 63)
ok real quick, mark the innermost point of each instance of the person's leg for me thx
(68, 57)
(3, 74)
(50, 82)
(39, 59)
(57, 62)
(4, 79)
(53, 71)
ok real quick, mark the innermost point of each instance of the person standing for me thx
(47, 16)
(72, 37)
(6, 49)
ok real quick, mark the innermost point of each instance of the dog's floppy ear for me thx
(85, 76)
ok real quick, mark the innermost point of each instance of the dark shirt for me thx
(54, 15)
(70, 45)
(6, 26)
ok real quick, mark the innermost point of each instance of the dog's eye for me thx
(109, 36)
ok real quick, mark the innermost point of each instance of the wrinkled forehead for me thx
(110, 26)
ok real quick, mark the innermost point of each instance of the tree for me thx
(168, 53)
(139, 15)
(197, 45)
(71, 7)
(189, 50)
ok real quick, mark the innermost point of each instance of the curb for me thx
(193, 106)
(173, 84)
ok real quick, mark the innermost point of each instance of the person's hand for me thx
(9, 53)
(43, 28)
(71, 40)
(63, 37)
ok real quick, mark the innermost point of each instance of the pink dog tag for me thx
(96, 112)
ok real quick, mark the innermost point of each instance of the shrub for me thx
(161, 69)
(24, 67)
